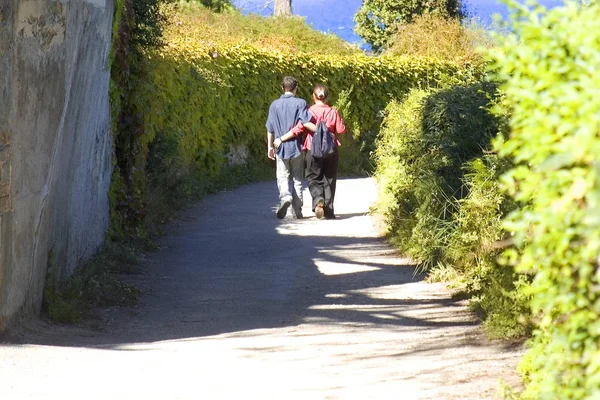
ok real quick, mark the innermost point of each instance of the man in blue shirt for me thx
(286, 147)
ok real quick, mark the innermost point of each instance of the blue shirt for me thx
(284, 114)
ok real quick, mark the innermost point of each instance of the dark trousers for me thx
(322, 178)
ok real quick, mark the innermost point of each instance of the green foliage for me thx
(215, 97)
(442, 201)
(232, 28)
(97, 283)
(445, 38)
(423, 145)
(147, 22)
(377, 20)
(475, 244)
(549, 67)
(214, 5)
(137, 29)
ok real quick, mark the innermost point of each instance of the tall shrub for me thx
(549, 67)
(476, 241)
(421, 150)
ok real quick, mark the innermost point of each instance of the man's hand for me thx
(271, 153)
(277, 143)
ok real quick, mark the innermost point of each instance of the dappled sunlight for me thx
(354, 227)
(336, 268)
(388, 260)
(409, 290)
(405, 313)
(336, 295)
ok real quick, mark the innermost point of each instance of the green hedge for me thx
(442, 201)
(214, 98)
(476, 241)
(549, 67)
(421, 150)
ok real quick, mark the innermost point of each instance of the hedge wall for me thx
(421, 150)
(218, 97)
(441, 198)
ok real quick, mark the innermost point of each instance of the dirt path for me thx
(241, 305)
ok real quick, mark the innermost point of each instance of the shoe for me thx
(282, 211)
(329, 213)
(319, 211)
(298, 214)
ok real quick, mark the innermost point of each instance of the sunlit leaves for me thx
(377, 20)
(549, 66)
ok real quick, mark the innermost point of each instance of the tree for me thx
(215, 5)
(283, 8)
(377, 20)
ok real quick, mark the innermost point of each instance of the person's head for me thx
(320, 92)
(289, 84)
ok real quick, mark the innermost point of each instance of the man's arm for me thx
(305, 119)
(270, 147)
(310, 126)
(294, 132)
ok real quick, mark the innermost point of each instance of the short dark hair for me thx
(289, 83)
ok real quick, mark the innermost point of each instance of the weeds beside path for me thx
(238, 304)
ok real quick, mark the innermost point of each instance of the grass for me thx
(98, 283)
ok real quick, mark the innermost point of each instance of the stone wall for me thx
(55, 143)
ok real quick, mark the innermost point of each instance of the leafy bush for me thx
(377, 20)
(422, 147)
(445, 38)
(147, 22)
(214, 97)
(442, 200)
(474, 245)
(549, 67)
(395, 170)
(215, 5)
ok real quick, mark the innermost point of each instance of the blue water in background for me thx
(336, 16)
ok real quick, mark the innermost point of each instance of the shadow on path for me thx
(229, 266)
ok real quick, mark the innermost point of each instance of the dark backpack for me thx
(323, 143)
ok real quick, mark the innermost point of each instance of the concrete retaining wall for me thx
(55, 143)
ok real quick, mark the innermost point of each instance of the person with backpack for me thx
(288, 116)
(322, 156)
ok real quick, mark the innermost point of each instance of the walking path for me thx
(239, 304)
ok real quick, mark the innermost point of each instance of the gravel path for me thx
(239, 304)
